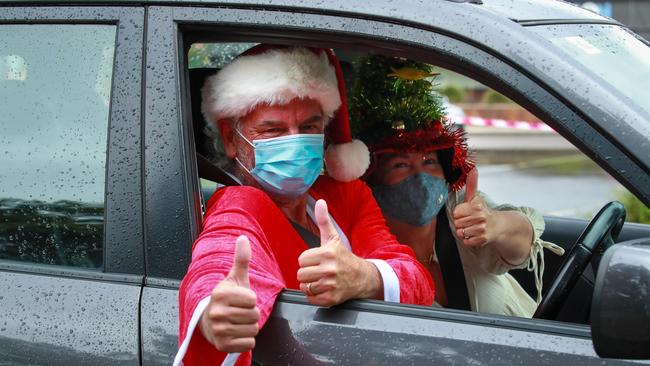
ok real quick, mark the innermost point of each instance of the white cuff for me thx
(389, 278)
(230, 359)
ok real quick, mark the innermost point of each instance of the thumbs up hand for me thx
(473, 220)
(230, 320)
(332, 274)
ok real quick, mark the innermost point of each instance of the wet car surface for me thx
(101, 287)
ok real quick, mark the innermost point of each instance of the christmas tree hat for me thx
(393, 110)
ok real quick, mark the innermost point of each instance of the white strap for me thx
(311, 203)
(230, 359)
(536, 262)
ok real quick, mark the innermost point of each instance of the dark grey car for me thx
(100, 194)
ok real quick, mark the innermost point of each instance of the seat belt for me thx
(209, 170)
(307, 236)
(450, 265)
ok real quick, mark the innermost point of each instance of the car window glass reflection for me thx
(55, 83)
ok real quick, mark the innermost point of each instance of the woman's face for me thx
(394, 168)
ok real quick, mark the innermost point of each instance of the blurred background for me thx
(523, 161)
(633, 13)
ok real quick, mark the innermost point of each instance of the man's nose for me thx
(294, 130)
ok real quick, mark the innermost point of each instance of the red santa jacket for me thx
(275, 247)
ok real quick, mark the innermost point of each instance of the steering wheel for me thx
(600, 234)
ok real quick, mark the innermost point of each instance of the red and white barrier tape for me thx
(502, 123)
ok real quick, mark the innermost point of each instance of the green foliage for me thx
(382, 101)
(637, 211)
(214, 55)
(453, 93)
(493, 97)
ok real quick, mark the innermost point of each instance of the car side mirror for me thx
(620, 310)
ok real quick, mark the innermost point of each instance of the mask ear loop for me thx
(244, 137)
(236, 158)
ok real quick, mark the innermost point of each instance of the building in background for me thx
(633, 13)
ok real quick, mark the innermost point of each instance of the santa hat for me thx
(275, 75)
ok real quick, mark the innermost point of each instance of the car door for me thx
(359, 332)
(71, 255)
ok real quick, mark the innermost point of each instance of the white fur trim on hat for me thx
(274, 77)
(346, 162)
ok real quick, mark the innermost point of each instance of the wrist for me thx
(373, 288)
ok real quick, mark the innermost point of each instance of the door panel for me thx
(48, 320)
(79, 71)
(361, 333)
(159, 325)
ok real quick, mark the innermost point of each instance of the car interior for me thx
(573, 301)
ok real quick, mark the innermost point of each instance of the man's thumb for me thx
(471, 185)
(239, 270)
(325, 226)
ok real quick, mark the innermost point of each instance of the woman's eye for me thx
(431, 162)
(400, 165)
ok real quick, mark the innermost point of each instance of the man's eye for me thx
(309, 128)
(272, 131)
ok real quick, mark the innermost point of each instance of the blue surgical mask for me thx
(416, 200)
(287, 166)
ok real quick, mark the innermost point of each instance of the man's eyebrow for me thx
(268, 123)
(312, 119)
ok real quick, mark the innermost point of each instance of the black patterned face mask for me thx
(416, 200)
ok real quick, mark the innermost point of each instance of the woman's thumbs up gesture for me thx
(472, 218)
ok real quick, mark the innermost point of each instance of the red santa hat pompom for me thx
(275, 75)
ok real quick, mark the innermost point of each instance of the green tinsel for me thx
(379, 104)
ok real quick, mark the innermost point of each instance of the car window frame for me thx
(123, 256)
(170, 28)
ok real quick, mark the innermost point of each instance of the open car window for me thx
(521, 160)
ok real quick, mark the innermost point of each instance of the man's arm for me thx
(231, 214)
(404, 278)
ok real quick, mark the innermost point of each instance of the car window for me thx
(600, 47)
(521, 160)
(55, 87)
(525, 162)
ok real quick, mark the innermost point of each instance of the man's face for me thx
(299, 116)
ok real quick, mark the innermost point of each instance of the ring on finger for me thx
(309, 292)
(465, 236)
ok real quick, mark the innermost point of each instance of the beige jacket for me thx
(491, 288)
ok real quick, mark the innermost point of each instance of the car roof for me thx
(416, 11)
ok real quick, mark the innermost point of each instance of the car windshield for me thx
(611, 52)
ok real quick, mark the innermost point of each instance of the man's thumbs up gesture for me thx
(472, 218)
(230, 320)
(331, 274)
